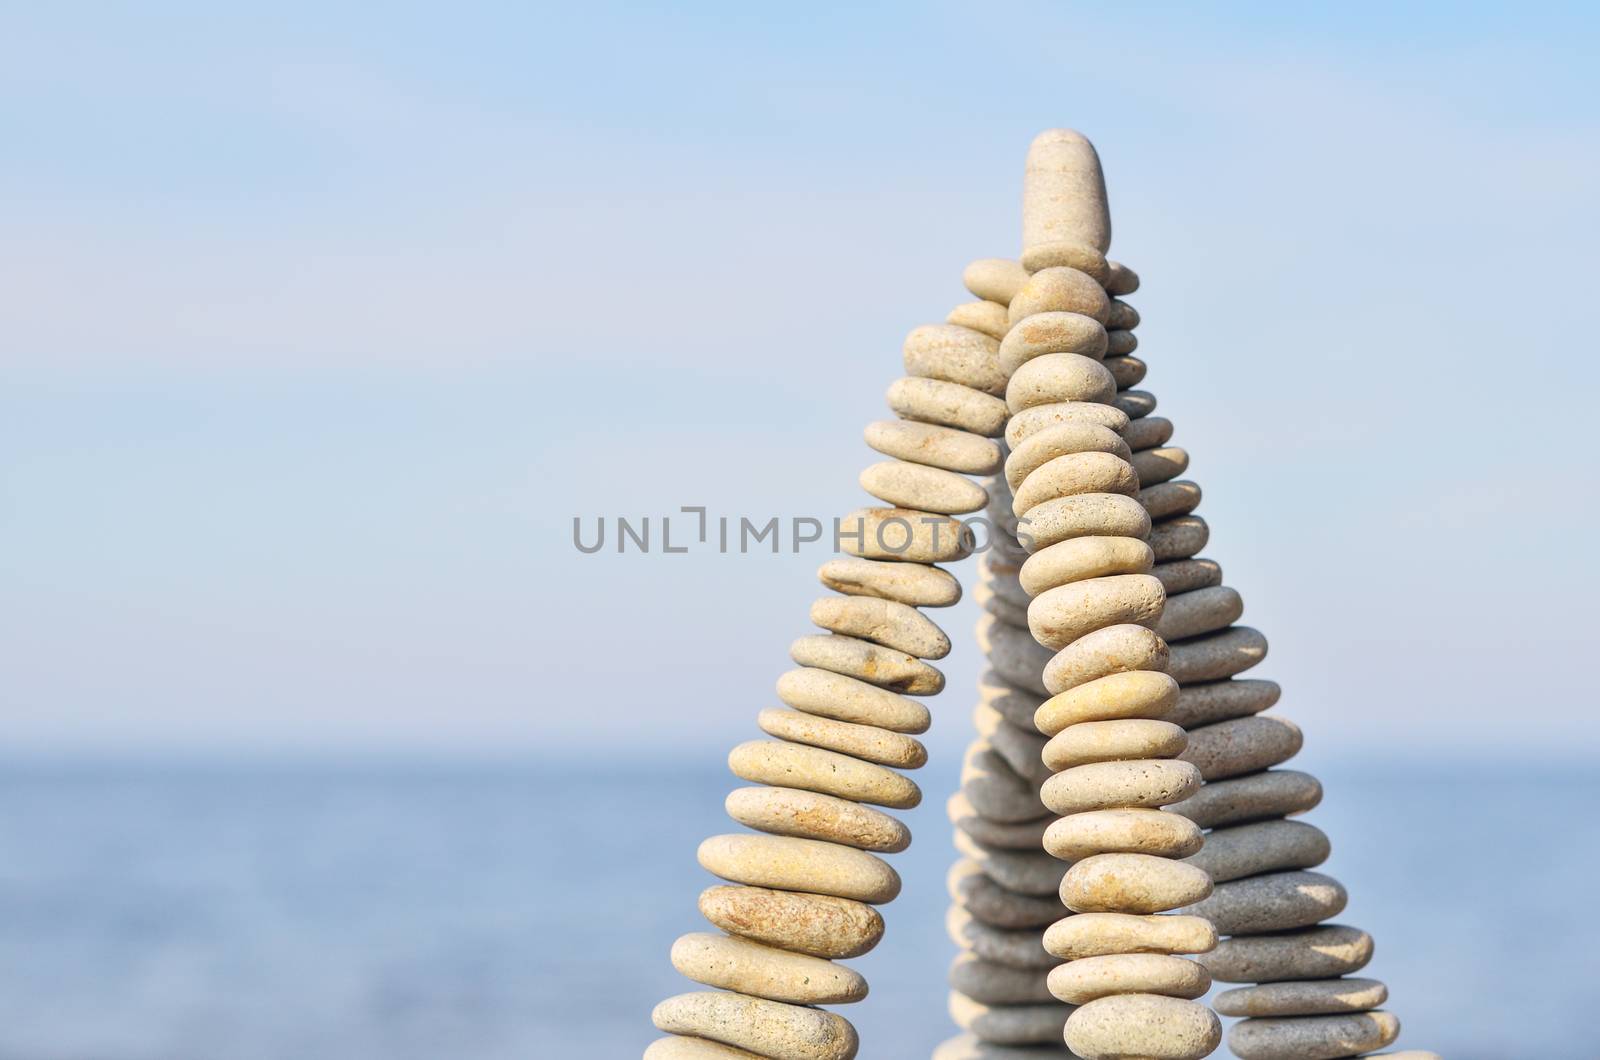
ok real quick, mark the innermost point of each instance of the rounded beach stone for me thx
(813, 815)
(866, 661)
(1081, 558)
(1059, 616)
(1082, 981)
(1131, 831)
(1113, 741)
(1313, 1037)
(750, 968)
(887, 622)
(1179, 538)
(1009, 1024)
(1114, 649)
(1014, 654)
(1045, 333)
(788, 864)
(677, 1047)
(1072, 475)
(1122, 316)
(955, 355)
(1127, 371)
(1136, 403)
(994, 279)
(997, 984)
(1059, 377)
(1095, 934)
(1072, 255)
(767, 1028)
(1265, 846)
(867, 742)
(1147, 1026)
(971, 1047)
(1132, 883)
(1119, 785)
(1242, 745)
(1130, 694)
(994, 789)
(941, 447)
(987, 901)
(1200, 611)
(1219, 655)
(929, 488)
(907, 584)
(816, 924)
(1167, 499)
(1030, 872)
(1308, 997)
(985, 316)
(844, 698)
(1121, 342)
(1085, 515)
(1061, 439)
(1016, 949)
(1064, 192)
(1000, 607)
(1020, 835)
(1147, 432)
(903, 534)
(1316, 953)
(1015, 704)
(1208, 703)
(1021, 749)
(1031, 421)
(1160, 465)
(1060, 290)
(1120, 279)
(1187, 575)
(948, 405)
(1275, 793)
(1279, 902)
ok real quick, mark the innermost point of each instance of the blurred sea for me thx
(488, 911)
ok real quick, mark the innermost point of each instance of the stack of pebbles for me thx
(803, 884)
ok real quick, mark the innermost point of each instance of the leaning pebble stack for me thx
(803, 885)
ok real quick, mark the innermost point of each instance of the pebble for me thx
(1219, 655)
(1127, 371)
(1081, 558)
(1085, 515)
(995, 279)
(1275, 793)
(941, 447)
(1045, 333)
(868, 662)
(1132, 831)
(1029, 872)
(1113, 741)
(1313, 1037)
(1061, 439)
(1136, 403)
(1016, 949)
(948, 405)
(793, 811)
(1059, 616)
(1132, 883)
(788, 864)
(1074, 474)
(1009, 1024)
(1265, 846)
(904, 534)
(1120, 279)
(816, 924)
(987, 901)
(887, 622)
(1167, 499)
(997, 984)
(955, 355)
(750, 968)
(1146, 1026)
(867, 742)
(1187, 575)
(1160, 465)
(1078, 256)
(1179, 538)
(1318, 953)
(1113, 649)
(1243, 745)
(1030, 421)
(971, 1047)
(1018, 707)
(1014, 654)
(1059, 377)
(678, 1048)
(1120, 343)
(1000, 607)
(844, 698)
(1096, 934)
(907, 584)
(1131, 694)
(1309, 997)
(1060, 290)
(1080, 982)
(1279, 902)
(928, 488)
(767, 1028)
(1021, 749)
(985, 316)
(1122, 316)
(1064, 192)
(1147, 432)
(1021, 835)
(1117, 785)
(1200, 611)
(994, 790)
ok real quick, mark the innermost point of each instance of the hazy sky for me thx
(319, 324)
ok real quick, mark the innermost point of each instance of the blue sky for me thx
(320, 324)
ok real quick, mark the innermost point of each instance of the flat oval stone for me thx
(997, 984)
(887, 622)
(1275, 793)
(1130, 694)
(1030, 421)
(1113, 741)
(1179, 538)
(867, 742)
(1127, 371)
(1022, 750)
(948, 405)
(844, 698)
(1132, 883)
(1080, 982)
(1075, 474)
(994, 790)
(1016, 704)
(1009, 1024)
(1147, 432)
(994, 279)
(813, 815)
(1265, 846)
(1085, 515)
(1122, 315)
(679, 1048)
(1045, 333)
(926, 489)
(971, 1047)
(1117, 785)
(1200, 611)
(1014, 654)
(955, 355)
(1136, 403)
(941, 447)
(1309, 997)
(1020, 835)
(1279, 902)
(1316, 953)
(1095, 934)
(794, 765)
(1017, 949)
(1206, 704)
(1059, 616)
(1160, 465)
(1080, 558)
(1061, 439)
(999, 606)
(1073, 255)
(1243, 745)
(1313, 1037)
(866, 661)
(1147, 1026)
(1167, 499)
(1114, 649)
(787, 864)
(1186, 575)
(1120, 279)
(1121, 342)
(1131, 831)
(1219, 655)
(1029, 872)
(903, 534)
(767, 1028)
(1059, 377)
(987, 901)
(816, 924)
(909, 584)
(1060, 290)
(1063, 192)
(985, 316)
(750, 968)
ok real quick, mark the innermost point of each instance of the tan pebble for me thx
(1199, 611)
(1136, 403)
(1075, 474)
(1021, 835)
(1132, 883)
(1132, 694)
(1265, 846)
(1079, 982)
(1094, 934)
(1045, 333)
(1279, 902)
(794, 765)
(1009, 1024)
(1131, 831)
(815, 815)
(985, 316)
(987, 901)
(1017, 705)
(971, 1047)
(1160, 465)
(809, 865)
(1022, 749)
(1113, 649)
(903, 534)
(1060, 290)
(1014, 654)
(1078, 256)
(1275, 793)
(1180, 537)
(1309, 997)
(955, 355)
(1084, 515)
(1168, 499)
(1017, 949)
(909, 584)
(832, 695)
(1056, 378)
(1243, 745)
(929, 488)
(1215, 701)
(997, 984)
(941, 447)
(1062, 439)
(1002, 575)
(1120, 279)
(994, 790)
(763, 971)
(867, 742)
(767, 1028)
(948, 405)
(1316, 953)
(1127, 371)
(994, 279)
(1122, 315)
(816, 924)
(1146, 1026)
(868, 662)
(1313, 1037)
(1187, 575)
(1080, 558)
(1059, 616)
(1064, 192)
(1120, 343)
(1147, 433)
(679, 1048)
(1219, 655)
(1030, 421)
(1029, 872)
(1114, 785)
(887, 622)
(1000, 607)
(1113, 741)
